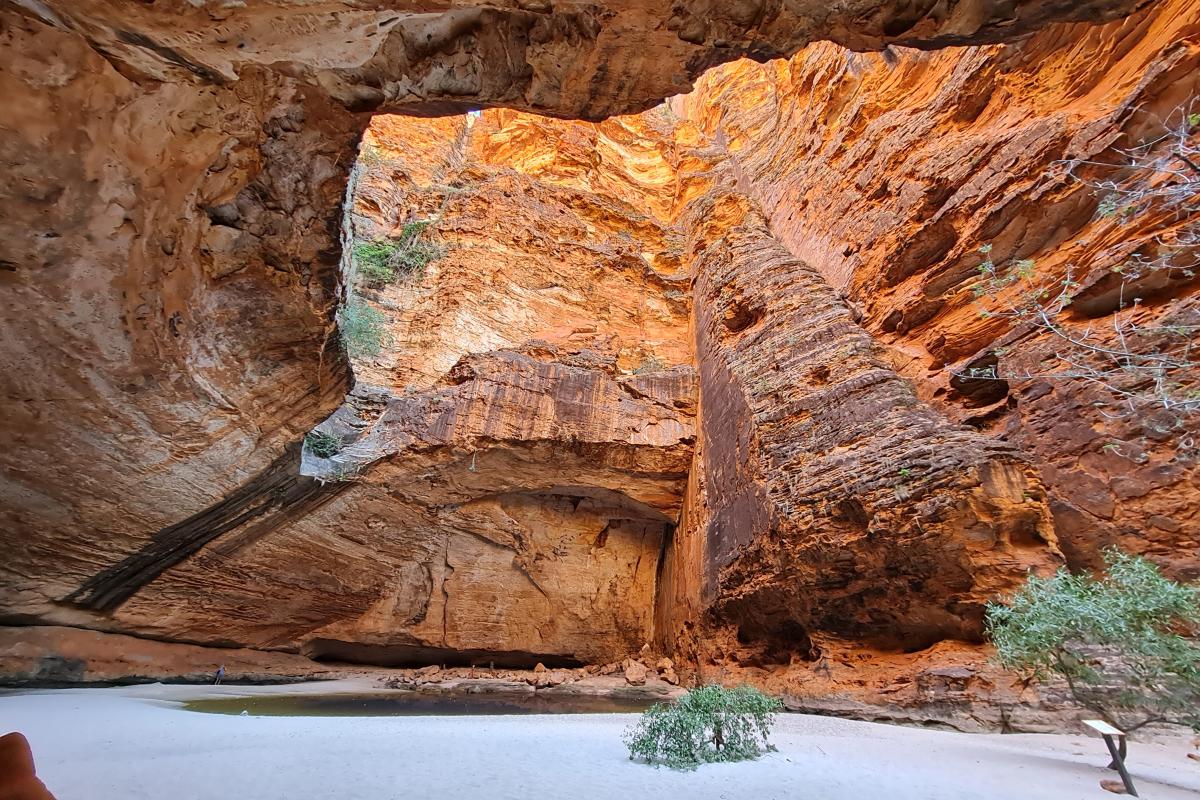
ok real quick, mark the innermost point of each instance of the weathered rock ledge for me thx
(948, 695)
(684, 379)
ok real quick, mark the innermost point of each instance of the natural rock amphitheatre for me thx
(684, 385)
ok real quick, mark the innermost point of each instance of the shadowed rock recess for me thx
(685, 382)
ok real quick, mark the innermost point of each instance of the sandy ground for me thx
(134, 742)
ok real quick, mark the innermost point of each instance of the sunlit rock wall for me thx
(889, 172)
(512, 461)
(550, 404)
(554, 232)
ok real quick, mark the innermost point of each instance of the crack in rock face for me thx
(689, 379)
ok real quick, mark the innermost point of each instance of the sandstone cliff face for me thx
(567, 58)
(835, 500)
(890, 173)
(168, 282)
(724, 330)
(551, 234)
(484, 505)
(882, 178)
(532, 402)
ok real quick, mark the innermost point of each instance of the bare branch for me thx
(1140, 366)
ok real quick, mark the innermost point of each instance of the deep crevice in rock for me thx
(541, 464)
(279, 493)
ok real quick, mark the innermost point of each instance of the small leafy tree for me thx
(1141, 366)
(323, 445)
(364, 329)
(1125, 643)
(383, 261)
(708, 724)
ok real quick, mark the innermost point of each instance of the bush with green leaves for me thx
(322, 444)
(650, 363)
(372, 259)
(1125, 643)
(363, 328)
(706, 725)
(383, 261)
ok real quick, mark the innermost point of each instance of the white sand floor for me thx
(129, 743)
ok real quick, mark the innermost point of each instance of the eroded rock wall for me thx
(514, 460)
(568, 58)
(509, 465)
(511, 514)
(836, 500)
(893, 173)
(886, 182)
(169, 276)
(554, 232)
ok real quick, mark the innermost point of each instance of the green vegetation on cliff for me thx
(382, 261)
(363, 328)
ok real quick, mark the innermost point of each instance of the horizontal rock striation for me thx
(695, 377)
(503, 506)
(834, 500)
(513, 515)
(891, 173)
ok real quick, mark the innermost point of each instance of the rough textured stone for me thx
(635, 673)
(555, 232)
(831, 499)
(514, 461)
(168, 282)
(887, 173)
(568, 58)
(38, 655)
(490, 507)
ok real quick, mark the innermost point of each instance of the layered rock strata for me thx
(493, 506)
(898, 175)
(827, 497)
(465, 530)
(732, 329)
(571, 59)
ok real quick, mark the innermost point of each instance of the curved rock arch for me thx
(173, 191)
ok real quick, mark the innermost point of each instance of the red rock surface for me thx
(833, 499)
(888, 173)
(46, 655)
(168, 285)
(568, 58)
(682, 378)
(512, 461)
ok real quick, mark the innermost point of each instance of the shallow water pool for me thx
(418, 704)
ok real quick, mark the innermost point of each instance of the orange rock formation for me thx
(692, 377)
(889, 173)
